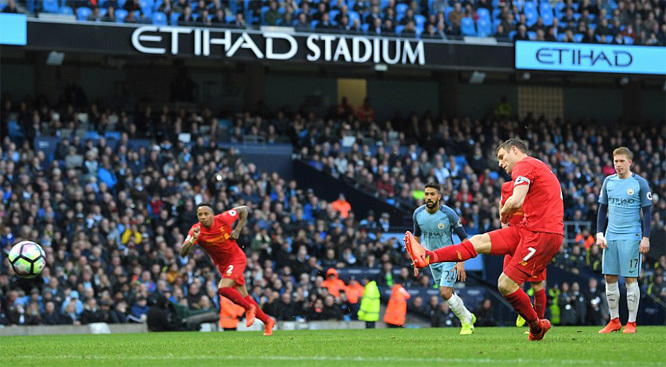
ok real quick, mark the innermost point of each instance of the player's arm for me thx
(190, 241)
(646, 208)
(514, 202)
(602, 215)
(462, 234)
(243, 212)
(499, 204)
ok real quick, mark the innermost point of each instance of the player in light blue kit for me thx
(623, 196)
(435, 223)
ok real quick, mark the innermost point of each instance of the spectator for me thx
(396, 309)
(443, 317)
(484, 314)
(159, 318)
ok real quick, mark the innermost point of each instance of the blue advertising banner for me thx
(13, 29)
(593, 58)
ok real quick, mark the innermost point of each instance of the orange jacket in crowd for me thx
(397, 306)
(333, 284)
(587, 242)
(341, 205)
(229, 313)
(354, 291)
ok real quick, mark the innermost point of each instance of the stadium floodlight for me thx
(477, 77)
(55, 58)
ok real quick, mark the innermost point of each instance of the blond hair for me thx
(624, 151)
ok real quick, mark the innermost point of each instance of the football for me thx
(27, 259)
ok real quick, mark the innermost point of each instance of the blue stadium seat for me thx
(420, 20)
(264, 9)
(157, 4)
(547, 19)
(609, 39)
(174, 18)
(628, 40)
(511, 34)
(313, 24)
(560, 37)
(229, 18)
(578, 37)
(483, 13)
(531, 35)
(353, 15)
(66, 10)
(545, 8)
(399, 29)
(559, 9)
(83, 13)
(400, 9)
(121, 3)
(121, 14)
(332, 14)
(91, 135)
(365, 27)
(484, 28)
(467, 27)
(146, 8)
(530, 6)
(112, 135)
(160, 18)
(496, 13)
(50, 6)
(15, 131)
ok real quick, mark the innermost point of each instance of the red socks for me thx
(260, 314)
(460, 252)
(234, 296)
(521, 303)
(540, 303)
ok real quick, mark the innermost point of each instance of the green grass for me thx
(570, 346)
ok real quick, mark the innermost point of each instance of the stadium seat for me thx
(467, 27)
(547, 19)
(545, 8)
(483, 13)
(483, 28)
(353, 15)
(531, 35)
(66, 10)
(313, 24)
(511, 34)
(121, 3)
(15, 131)
(174, 18)
(160, 18)
(121, 14)
(628, 40)
(332, 14)
(559, 9)
(50, 6)
(530, 6)
(609, 39)
(365, 27)
(229, 18)
(420, 20)
(578, 37)
(399, 29)
(560, 37)
(401, 9)
(496, 13)
(83, 13)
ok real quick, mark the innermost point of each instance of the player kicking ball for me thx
(623, 196)
(214, 234)
(435, 222)
(532, 245)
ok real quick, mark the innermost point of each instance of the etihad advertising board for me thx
(595, 58)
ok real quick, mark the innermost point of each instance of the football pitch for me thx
(563, 346)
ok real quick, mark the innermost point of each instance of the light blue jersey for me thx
(624, 198)
(436, 231)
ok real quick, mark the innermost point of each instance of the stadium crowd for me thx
(609, 21)
(111, 220)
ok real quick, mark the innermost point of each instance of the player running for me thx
(535, 281)
(436, 223)
(214, 234)
(532, 244)
(623, 196)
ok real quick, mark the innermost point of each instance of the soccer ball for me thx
(27, 259)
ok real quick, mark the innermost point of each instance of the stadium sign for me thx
(273, 45)
(277, 45)
(594, 58)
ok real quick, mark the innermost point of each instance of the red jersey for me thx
(543, 205)
(507, 191)
(215, 240)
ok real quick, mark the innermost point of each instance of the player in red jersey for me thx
(532, 244)
(215, 234)
(536, 280)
